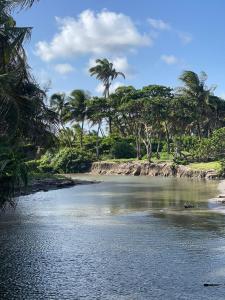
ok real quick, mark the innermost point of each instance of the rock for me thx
(212, 284)
(137, 172)
(188, 206)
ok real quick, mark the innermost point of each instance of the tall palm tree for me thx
(106, 73)
(59, 104)
(78, 109)
(96, 112)
(196, 90)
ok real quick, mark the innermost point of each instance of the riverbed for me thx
(123, 238)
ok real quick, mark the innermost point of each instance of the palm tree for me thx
(78, 109)
(196, 90)
(24, 117)
(106, 73)
(96, 111)
(59, 104)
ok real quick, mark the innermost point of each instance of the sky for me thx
(151, 41)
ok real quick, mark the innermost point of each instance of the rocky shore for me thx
(47, 184)
(150, 169)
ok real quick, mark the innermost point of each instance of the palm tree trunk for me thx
(97, 140)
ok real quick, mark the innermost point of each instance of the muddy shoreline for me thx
(48, 184)
(150, 169)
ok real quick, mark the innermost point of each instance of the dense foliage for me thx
(24, 118)
(186, 122)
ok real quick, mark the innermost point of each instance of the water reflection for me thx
(125, 238)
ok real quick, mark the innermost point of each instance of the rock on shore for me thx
(150, 169)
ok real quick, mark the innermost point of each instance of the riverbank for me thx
(165, 169)
(47, 184)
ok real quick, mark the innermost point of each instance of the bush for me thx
(222, 170)
(69, 160)
(122, 150)
(212, 148)
(32, 166)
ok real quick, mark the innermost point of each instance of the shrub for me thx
(122, 150)
(212, 148)
(69, 160)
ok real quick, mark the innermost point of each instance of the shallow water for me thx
(125, 238)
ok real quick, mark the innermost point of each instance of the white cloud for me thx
(100, 88)
(121, 64)
(63, 68)
(96, 34)
(185, 37)
(169, 59)
(159, 24)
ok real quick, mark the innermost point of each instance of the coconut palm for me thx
(78, 109)
(106, 73)
(59, 104)
(196, 90)
(24, 117)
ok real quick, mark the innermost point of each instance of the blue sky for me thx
(151, 41)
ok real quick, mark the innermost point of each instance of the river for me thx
(124, 238)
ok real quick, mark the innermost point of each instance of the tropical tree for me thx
(96, 112)
(24, 117)
(59, 104)
(106, 73)
(78, 109)
(195, 90)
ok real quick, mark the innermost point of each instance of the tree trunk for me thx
(97, 140)
(138, 144)
(82, 134)
(167, 138)
(157, 151)
(149, 151)
(110, 125)
(199, 131)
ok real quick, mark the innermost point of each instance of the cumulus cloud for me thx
(94, 34)
(159, 24)
(121, 64)
(63, 68)
(169, 59)
(100, 88)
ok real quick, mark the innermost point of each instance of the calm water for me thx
(125, 238)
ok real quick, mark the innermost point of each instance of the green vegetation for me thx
(214, 165)
(24, 117)
(155, 123)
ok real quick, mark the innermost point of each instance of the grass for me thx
(204, 166)
(39, 176)
(164, 157)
